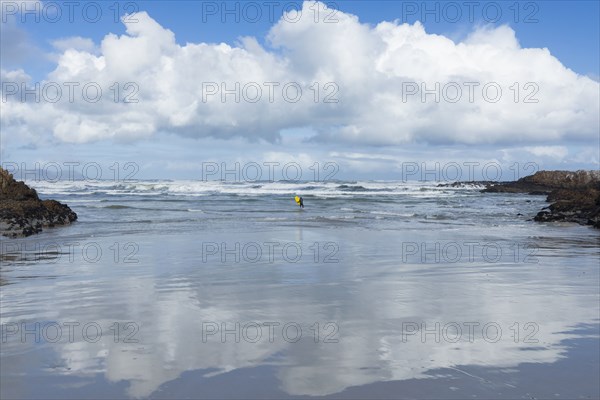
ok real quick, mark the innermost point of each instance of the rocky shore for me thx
(575, 195)
(22, 213)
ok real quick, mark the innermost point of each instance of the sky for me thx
(380, 89)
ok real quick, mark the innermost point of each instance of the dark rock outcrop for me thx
(575, 196)
(22, 213)
(581, 206)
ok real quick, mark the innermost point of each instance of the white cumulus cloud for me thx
(489, 89)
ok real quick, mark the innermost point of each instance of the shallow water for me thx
(376, 289)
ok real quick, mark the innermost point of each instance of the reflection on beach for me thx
(393, 321)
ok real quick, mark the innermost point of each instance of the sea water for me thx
(170, 289)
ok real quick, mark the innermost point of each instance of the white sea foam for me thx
(282, 188)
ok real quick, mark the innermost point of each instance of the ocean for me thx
(210, 289)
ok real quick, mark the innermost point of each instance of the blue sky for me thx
(562, 135)
(570, 29)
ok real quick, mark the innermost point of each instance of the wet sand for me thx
(382, 305)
